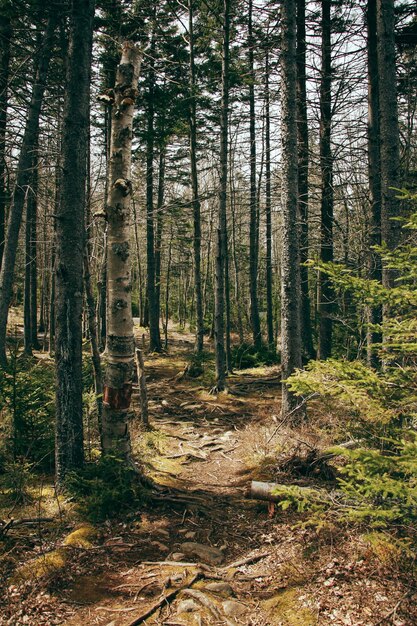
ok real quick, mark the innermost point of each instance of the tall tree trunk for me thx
(374, 170)
(159, 227)
(102, 296)
(69, 450)
(254, 222)
(221, 239)
(167, 291)
(30, 291)
(199, 340)
(326, 169)
(34, 252)
(139, 264)
(24, 169)
(268, 211)
(27, 326)
(5, 40)
(154, 335)
(303, 146)
(228, 326)
(120, 344)
(290, 266)
(389, 133)
(90, 301)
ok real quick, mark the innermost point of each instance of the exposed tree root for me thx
(166, 598)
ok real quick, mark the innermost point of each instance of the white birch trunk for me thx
(120, 344)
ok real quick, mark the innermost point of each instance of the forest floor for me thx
(201, 551)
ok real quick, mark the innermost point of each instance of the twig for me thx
(294, 410)
(248, 560)
(394, 610)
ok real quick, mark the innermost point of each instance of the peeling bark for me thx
(120, 343)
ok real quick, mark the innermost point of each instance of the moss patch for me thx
(45, 565)
(82, 537)
(286, 609)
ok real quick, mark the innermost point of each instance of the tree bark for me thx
(326, 169)
(290, 266)
(120, 343)
(69, 450)
(24, 169)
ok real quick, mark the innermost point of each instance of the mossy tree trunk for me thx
(120, 344)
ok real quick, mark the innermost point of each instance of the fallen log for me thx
(264, 491)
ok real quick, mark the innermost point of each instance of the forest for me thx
(208, 312)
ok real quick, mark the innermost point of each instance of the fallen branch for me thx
(248, 560)
(5, 526)
(165, 599)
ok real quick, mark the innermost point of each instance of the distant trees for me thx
(245, 180)
(23, 176)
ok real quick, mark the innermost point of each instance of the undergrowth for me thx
(246, 355)
(105, 489)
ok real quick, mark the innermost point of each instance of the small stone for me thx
(190, 534)
(187, 606)
(222, 588)
(206, 554)
(233, 609)
(160, 546)
(178, 556)
(163, 532)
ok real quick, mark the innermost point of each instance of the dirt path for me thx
(202, 552)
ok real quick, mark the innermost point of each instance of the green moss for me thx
(45, 565)
(82, 537)
(286, 608)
